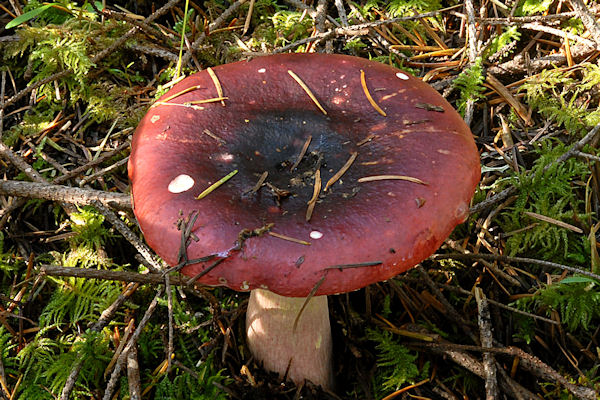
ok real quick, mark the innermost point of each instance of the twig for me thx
(559, 33)
(587, 19)
(341, 12)
(2, 91)
(103, 171)
(457, 353)
(214, 25)
(473, 53)
(112, 383)
(496, 257)
(103, 274)
(129, 235)
(520, 64)
(133, 375)
(527, 361)
(73, 195)
(167, 279)
(359, 29)
(523, 20)
(76, 171)
(485, 335)
(321, 15)
(106, 316)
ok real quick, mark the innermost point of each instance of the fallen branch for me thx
(105, 274)
(529, 362)
(497, 257)
(67, 194)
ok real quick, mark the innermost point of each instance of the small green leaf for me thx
(578, 279)
(29, 15)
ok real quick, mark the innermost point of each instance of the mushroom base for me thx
(304, 353)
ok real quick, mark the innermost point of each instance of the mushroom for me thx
(300, 176)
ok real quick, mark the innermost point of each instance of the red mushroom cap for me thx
(182, 148)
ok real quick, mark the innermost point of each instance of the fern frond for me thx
(396, 362)
(470, 85)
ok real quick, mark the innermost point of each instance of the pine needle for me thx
(215, 185)
(363, 82)
(387, 177)
(307, 90)
(341, 172)
(216, 82)
(289, 239)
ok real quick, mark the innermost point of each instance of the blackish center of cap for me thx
(276, 143)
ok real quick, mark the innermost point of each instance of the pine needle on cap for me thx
(392, 177)
(307, 90)
(363, 82)
(216, 82)
(341, 172)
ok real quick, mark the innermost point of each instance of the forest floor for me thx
(508, 307)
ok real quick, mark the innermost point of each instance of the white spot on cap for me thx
(222, 280)
(337, 100)
(154, 118)
(226, 157)
(181, 183)
(262, 70)
(402, 76)
(316, 235)
(443, 151)
(245, 285)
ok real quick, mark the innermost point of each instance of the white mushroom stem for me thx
(304, 353)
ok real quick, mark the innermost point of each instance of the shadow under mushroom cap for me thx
(261, 232)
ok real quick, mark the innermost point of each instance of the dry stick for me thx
(95, 60)
(359, 29)
(519, 64)
(527, 361)
(496, 257)
(587, 19)
(341, 12)
(112, 383)
(103, 171)
(121, 16)
(67, 194)
(458, 354)
(560, 33)
(76, 171)
(151, 278)
(18, 162)
(487, 340)
(106, 316)
(2, 91)
(524, 20)
(133, 375)
(214, 25)
(320, 16)
(4, 393)
(503, 195)
(129, 235)
(472, 37)
(167, 279)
